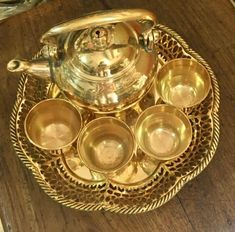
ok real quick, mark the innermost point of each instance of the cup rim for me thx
(51, 100)
(186, 59)
(113, 170)
(155, 156)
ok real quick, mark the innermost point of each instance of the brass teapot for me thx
(104, 61)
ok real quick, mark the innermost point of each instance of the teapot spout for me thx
(38, 68)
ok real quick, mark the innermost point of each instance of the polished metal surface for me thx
(102, 52)
(32, 67)
(101, 18)
(53, 124)
(104, 61)
(163, 132)
(106, 145)
(183, 82)
(145, 183)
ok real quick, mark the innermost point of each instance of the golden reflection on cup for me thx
(106, 145)
(183, 82)
(163, 132)
(53, 124)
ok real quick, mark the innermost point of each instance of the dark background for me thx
(207, 203)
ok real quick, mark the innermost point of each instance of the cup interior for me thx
(163, 132)
(53, 124)
(106, 144)
(183, 82)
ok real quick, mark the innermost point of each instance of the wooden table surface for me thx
(207, 203)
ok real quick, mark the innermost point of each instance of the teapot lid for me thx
(103, 51)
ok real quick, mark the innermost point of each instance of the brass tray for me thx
(144, 184)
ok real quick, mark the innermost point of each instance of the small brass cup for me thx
(183, 82)
(53, 124)
(106, 145)
(163, 132)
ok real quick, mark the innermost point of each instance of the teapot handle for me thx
(98, 19)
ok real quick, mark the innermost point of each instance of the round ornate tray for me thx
(144, 184)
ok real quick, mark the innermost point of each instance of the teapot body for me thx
(105, 74)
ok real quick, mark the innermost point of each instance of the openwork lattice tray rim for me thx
(127, 209)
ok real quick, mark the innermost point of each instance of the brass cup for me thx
(53, 124)
(183, 82)
(163, 132)
(106, 145)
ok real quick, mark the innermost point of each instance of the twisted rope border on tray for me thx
(125, 210)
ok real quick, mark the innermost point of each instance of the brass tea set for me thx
(105, 63)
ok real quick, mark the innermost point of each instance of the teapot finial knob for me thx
(100, 37)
